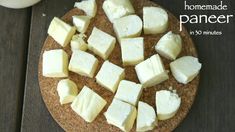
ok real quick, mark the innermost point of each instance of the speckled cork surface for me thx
(70, 121)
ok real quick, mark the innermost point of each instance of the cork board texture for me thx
(70, 121)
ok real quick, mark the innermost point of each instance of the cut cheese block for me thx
(132, 50)
(55, 63)
(110, 75)
(88, 104)
(185, 69)
(67, 91)
(78, 43)
(101, 43)
(127, 26)
(146, 117)
(121, 115)
(167, 104)
(151, 71)
(169, 46)
(83, 63)
(117, 8)
(155, 20)
(81, 23)
(129, 92)
(60, 31)
(88, 6)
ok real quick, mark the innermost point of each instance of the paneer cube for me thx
(132, 50)
(101, 43)
(55, 63)
(60, 31)
(129, 92)
(127, 26)
(67, 91)
(88, 6)
(151, 71)
(110, 75)
(88, 104)
(155, 20)
(146, 117)
(185, 69)
(169, 46)
(83, 63)
(117, 8)
(167, 104)
(78, 43)
(81, 23)
(121, 115)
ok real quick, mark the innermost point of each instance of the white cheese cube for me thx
(77, 43)
(88, 104)
(129, 92)
(88, 6)
(83, 63)
(67, 91)
(155, 20)
(81, 23)
(121, 115)
(169, 46)
(185, 69)
(110, 75)
(55, 63)
(151, 71)
(117, 8)
(60, 31)
(127, 26)
(167, 104)
(132, 50)
(101, 43)
(146, 117)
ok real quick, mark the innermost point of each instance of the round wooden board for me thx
(70, 121)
